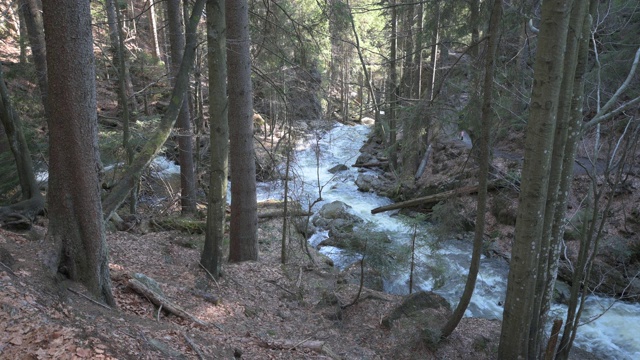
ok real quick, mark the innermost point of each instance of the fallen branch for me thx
(90, 299)
(431, 199)
(160, 300)
(313, 345)
(193, 346)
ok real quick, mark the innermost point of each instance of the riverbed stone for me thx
(338, 168)
(334, 210)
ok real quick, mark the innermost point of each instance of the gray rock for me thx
(149, 283)
(338, 168)
(334, 210)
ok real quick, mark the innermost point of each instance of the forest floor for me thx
(257, 310)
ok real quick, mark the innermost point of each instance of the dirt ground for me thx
(257, 310)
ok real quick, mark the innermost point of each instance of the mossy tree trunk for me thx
(154, 143)
(76, 224)
(515, 340)
(561, 173)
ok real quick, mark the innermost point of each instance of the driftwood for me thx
(160, 300)
(431, 199)
(371, 164)
(313, 345)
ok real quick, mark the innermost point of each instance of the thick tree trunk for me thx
(525, 255)
(31, 14)
(211, 257)
(132, 175)
(244, 220)
(75, 214)
(183, 124)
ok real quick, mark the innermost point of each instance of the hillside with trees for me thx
(137, 138)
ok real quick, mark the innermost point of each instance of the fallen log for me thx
(371, 164)
(161, 301)
(431, 199)
(313, 345)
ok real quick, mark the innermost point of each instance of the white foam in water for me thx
(615, 335)
(164, 166)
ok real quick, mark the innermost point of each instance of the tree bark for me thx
(75, 215)
(525, 255)
(556, 202)
(211, 257)
(183, 124)
(132, 175)
(244, 220)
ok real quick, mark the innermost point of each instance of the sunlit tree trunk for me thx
(154, 30)
(244, 218)
(218, 110)
(75, 214)
(183, 124)
(526, 251)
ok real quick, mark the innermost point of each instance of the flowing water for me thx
(613, 335)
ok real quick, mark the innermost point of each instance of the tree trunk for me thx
(518, 307)
(392, 88)
(12, 126)
(33, 19)
(24, 36)
(75, 215)
(154, 31)
(116, 35)
(183, 124)
(211, 257)
(433, 62)
(244, 220)
(154, 143)
(483, 172)
(556, 202)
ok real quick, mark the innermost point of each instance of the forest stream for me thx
(442, 269)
